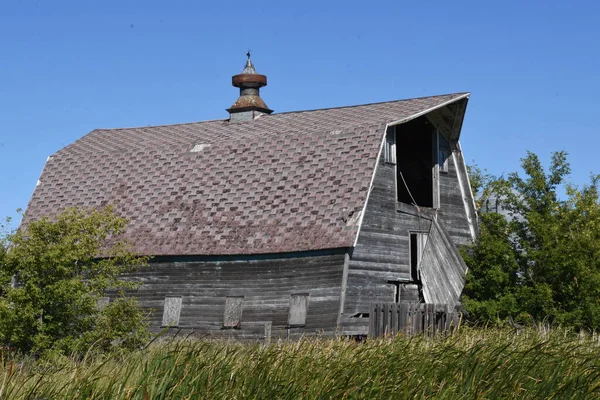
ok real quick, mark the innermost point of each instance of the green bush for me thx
(62, 267)
(540, 261)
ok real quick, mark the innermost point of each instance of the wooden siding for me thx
(466, 191)
(443, 269)
(452, 211)
(381, 254)
(412, 319)
(266, 285)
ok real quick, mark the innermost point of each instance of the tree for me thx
(62, 268)
(543, 260)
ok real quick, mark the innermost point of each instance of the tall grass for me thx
(473, 364)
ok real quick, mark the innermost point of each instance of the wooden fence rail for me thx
(411, 319)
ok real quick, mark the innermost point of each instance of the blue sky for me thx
(67, 67)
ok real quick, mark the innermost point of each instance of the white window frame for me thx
(390, 146)
(443, 153)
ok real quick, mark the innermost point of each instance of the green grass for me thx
(472, 364)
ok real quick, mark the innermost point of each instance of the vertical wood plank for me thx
(445, 326)
(403, 318)
(427, 319)
(421, 319)
(394, 319)
(411, 318)
(372, 317)
(386, 319)
(455, 319)
(268, 333)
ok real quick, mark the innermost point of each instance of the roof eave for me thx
(427, 111)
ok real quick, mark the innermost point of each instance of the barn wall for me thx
(382, 250)
(265, 282)
(452, 213)
(381, 253)
(443, 272)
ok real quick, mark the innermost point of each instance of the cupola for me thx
(249, 105)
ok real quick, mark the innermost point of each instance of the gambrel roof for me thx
(284, 182)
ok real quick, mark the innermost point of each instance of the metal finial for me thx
(248, 68)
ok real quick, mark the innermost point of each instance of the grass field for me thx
(471, 364)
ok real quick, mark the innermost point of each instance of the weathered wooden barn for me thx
(300, 219)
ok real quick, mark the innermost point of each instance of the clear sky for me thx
(67, 67)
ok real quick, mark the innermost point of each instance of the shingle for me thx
(283, 182)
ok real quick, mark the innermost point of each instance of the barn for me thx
(297, 220)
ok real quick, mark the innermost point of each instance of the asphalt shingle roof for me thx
(283, 182)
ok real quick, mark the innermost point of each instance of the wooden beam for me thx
(459, 115)
(440, 124)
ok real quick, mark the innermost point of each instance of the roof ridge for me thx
(374, 103)
(282, 113)
(160, 125)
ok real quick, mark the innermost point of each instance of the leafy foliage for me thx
(480, 181)
(52, 274)
(542, 259)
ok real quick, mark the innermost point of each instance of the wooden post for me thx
(373, 321)
(268, 333)
(419, 308)
(403, 318)
(455, 320)
(421, 320)
(412, 318)
(447, 320)
(430, 319)
(394, 319)
(386, 319)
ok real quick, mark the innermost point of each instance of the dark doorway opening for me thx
(418, 241)
(415, 162)
(415, 256)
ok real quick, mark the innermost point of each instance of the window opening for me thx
(443, 153)
(171, 311)
(417, 246)
(390, 145)
(298, 309)
(232, 318)
(415, 162)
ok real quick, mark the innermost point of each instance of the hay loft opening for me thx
(415, 145)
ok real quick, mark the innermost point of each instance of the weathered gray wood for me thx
(268, 326)
(382, 250)
(394, 319)
(298, 309)
(430, 319)
(386, 319)
(343, 290)
(418, 318)
(171, 311)
(266, 285)
(443, 269)
(373, 317)
(403, 317)
(232, 316)
(409, 319)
